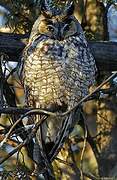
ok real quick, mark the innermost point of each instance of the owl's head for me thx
(58, 22)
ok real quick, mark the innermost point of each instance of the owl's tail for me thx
(66, 128)
(43, 154)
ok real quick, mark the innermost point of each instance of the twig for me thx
(106, 120)
(10, 142)
(30, 111)
(8, 134)
(75, 168)
(14, 125)
(83, 151)
(13, 152)
(92, 177)
(89, 175)
(30, 136)
(95, 90)
(64, 162)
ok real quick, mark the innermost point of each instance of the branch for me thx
(12, 45)
(105, 52)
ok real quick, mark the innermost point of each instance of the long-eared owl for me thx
(58, 66)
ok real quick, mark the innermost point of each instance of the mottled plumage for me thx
(58, 70)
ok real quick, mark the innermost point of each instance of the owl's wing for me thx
(88, 63)
(88, 60)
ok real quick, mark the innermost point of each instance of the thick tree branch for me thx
(105, 53)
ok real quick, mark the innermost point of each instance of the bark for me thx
(105, 52)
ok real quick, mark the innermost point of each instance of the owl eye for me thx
(50, 28)
(66, 27)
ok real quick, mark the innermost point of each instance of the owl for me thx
(58, 69)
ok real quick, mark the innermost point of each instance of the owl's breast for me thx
(53, 73)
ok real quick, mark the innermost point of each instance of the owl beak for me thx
(59, 36)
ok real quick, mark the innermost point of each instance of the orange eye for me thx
(50, 28)
(66, 28)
